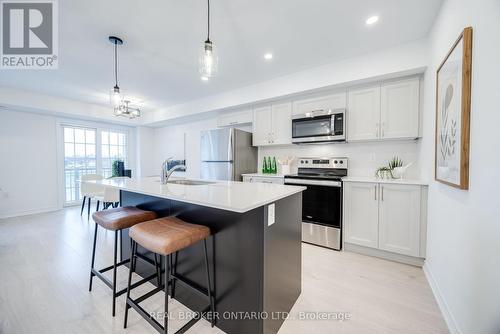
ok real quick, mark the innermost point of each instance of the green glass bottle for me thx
(274, 169)
(268, 165)
(264, 166)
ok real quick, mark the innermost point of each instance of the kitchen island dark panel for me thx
(256, 269)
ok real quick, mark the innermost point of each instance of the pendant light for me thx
(208, 56)
(124, 109)
(115, 96)
(120, 105)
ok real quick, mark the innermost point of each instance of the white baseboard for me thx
(29, 212)
(443, 305)
(414, 261)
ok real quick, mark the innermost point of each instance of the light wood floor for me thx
(44, 271)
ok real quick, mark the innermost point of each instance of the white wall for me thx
(28, 163)
(31, 160)
(169, 143)
(464, 226)
(145, 149)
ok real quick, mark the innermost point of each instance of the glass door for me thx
(79, 159)
(312, 127)
(322, 205)
(113, 148)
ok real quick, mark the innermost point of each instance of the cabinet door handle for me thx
(382, 188)
(377, 125)
(375, 192)
(382, 129)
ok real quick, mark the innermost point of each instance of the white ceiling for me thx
(158, 62)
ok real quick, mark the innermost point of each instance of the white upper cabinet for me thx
(387, 111)
(399, 219)
(272, 125)
(281, 124)
(361, 214)
(336, 101)
(400, 109)
(262, 126)
(235, 118)
(363, 114)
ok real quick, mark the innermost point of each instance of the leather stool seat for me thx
(168, 234)
(121, 218)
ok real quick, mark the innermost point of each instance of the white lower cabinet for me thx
(399, 218)
(361, 214)
(384, 216)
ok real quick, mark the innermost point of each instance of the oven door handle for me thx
(337, 184)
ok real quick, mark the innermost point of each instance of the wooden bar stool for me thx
(166, 236)
(116, 220)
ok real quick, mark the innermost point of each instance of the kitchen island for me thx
(255, 248)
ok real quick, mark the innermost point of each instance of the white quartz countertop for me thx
(389, 181)
(264, 175)
(225, 195)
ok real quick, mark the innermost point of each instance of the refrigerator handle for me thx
(222, 161)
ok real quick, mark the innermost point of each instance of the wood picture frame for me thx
(453, 104)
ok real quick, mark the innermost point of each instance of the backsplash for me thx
(364, 158)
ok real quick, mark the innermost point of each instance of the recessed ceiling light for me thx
(268, 56)
(372, 20)
(204, 78)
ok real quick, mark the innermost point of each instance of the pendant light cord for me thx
(208, 20)
(116, 65)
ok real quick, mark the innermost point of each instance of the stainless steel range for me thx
(322, 201)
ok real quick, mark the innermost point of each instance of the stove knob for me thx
(307, 161)
(301, 161)
(335, 162)
(341, 162)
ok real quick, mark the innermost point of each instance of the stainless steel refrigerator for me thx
(226, 154)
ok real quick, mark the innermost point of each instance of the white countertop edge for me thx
(264, 175)
(296, 190)
(386, 181)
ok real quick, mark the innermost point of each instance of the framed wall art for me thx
(453, 103)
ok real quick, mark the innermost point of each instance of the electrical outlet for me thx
(271, 218)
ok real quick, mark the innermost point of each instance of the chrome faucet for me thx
(165, 174)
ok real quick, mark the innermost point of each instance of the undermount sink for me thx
(189, 182)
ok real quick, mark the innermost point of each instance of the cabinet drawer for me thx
(263, 179)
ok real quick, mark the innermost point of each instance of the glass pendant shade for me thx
(115, 97)
(208, 60)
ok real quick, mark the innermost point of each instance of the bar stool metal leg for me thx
(133, 249)
(88, 209)
(83, 205)
(209, 285)
(167, 281)
(93, 257)
(114, 272)
(174, 271)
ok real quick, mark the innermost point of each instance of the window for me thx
(113, 147)
(90, 151)
(79, 159)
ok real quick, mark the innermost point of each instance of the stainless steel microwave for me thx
(319, 126)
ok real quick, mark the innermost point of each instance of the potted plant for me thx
(117, 168)
(394, 170)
